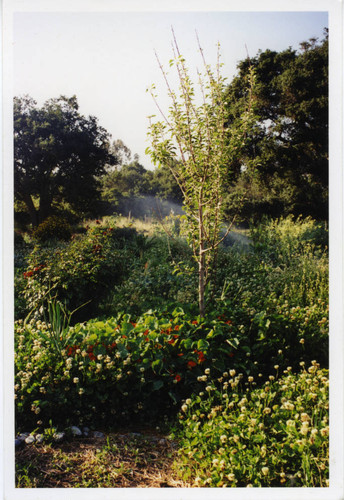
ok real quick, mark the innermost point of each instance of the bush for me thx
(54, 227)
(81, 271)
(117, 370)
(285, 238)
(233, 434)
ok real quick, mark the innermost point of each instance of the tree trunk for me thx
(45, 201)
(201, 263)
(201, 272)
(31, 209)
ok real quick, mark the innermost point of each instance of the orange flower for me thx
(194, 322)
(177, 327)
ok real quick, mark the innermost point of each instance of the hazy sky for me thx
(107, 58)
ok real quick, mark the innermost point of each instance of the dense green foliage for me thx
(58, 154)
(268, 313)
(53, 227)
(235, 433)
(290, 138)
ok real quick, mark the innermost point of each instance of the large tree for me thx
(290, 138)
(58, 155)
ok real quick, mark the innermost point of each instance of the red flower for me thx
(180, 354)
(200, 355)
(194, 322)
(124, 337)
(228, 322)
(178, 377)
(191, 364)
(146, 332)
(177, 327)
(28, 274)
(92, 356)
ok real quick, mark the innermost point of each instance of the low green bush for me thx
(53, 227)
(82, 271)
(118, 369)
(283, 238)
(235, 435)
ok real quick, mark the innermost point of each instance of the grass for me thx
(122, 460)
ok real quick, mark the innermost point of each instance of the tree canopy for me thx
(290, 137)
(58, 155)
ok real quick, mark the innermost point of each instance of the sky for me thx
(107, 59)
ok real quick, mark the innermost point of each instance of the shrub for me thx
(116, 370)
(233, 434)
(53, 227)
(81, 271)
(284, 238)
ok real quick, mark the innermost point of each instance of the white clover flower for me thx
(231, 477)
(304, 417)
(267, 410)
(223, 438)
(232, 373)
(42, 390)
(188, 401)
(265, 471)
(197, 481)
(208, 388)
(250, 379)
(215, 462)
(81, 391)
(287, 406)
(66, 373)
(207, 371)
(184, 408)
(304, 428)
(37, 411)
(75, 380)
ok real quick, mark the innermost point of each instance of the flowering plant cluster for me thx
(117, 369)
(240, 432)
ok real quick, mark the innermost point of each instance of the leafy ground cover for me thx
(139, 353)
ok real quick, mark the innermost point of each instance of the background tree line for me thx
(66, 163)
